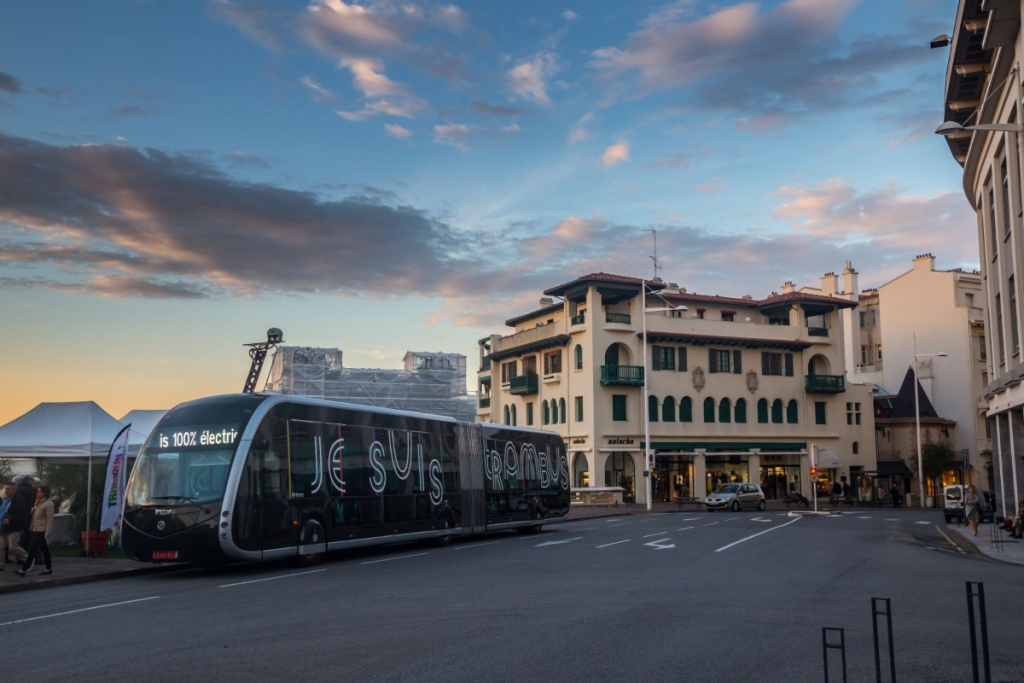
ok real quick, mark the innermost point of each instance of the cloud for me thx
(320, 93)
(383, 95)
(766, 66)
(404, 107)
(9, 83)
(460, 135)
(615, 154)
(396, 131)
(713, 185)
(569, 15)
(259, 21)
(127, 111)
(497, 109)
(526, 80)
(579, 132)
(677, 160)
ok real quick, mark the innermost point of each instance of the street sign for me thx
(814, 474)
(814, 477)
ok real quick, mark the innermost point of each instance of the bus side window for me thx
(274, 468)
(301, 440)
(448, 466)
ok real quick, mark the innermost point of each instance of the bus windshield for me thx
(188, 455)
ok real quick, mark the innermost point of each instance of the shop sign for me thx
(620, 442)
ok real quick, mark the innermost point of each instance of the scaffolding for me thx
(433, 383)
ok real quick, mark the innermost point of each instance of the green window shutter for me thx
(741, 411)
(737, 362)
(652, 408)
(619, 408)
(529, 414)
(762, 411)
(819, 413)
(789, 365)
(685, 409)
(766, 367)
(712, 361)
(656, 361)
(709, 410)
(777, 412)
(561, 409)
(682, 358)
(579, 409)
(668, 410)
(793, 413)
(725, 411)
(546, 412)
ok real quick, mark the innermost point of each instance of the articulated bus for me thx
(263, 476)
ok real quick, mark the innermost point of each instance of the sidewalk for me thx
(1002, 547)
(69, 570)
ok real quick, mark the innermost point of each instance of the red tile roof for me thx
(603, 277)
(511, 322)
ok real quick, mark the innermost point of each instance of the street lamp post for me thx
(645, 407)
(917, 418)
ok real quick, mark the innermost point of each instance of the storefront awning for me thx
(827, 459)
(894, 468)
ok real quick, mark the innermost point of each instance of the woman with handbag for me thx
(972, 508)
(39, 529)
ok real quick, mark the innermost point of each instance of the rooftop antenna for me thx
(657, 268)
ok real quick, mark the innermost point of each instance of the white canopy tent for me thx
(69, 431)
(142, 422)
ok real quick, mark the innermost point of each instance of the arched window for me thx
(546, 412)
(554, 412)
(668, 409)
(725, 411)
(685, 409)
(856, 448)
(652, 408)
(709, 409)
(580, 471)
(513, 416)
(762, 411)
(776, 412)
(611, 355)
(508, 420)
(741, 411)
(579, 357)
(561, 409)
(792, 412)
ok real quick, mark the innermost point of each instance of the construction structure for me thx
(432, 383)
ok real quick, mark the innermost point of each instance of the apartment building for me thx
(983, 88)
(740, 389)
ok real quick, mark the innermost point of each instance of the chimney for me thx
(788, 287)
(671, 288)
(924, 262)
(546, 301)
(829, 284)
(849, 279)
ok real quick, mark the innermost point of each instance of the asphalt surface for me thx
(671, 597)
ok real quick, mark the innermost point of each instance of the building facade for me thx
(740, 389)
(983, 86)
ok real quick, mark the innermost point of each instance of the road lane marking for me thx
(614, 519)
(684, 528)
(923, 522)
(950, 541)
(660, 533)
(589, 528)
(691, 519)
(711, 524)
(730, 519)
(865, 517)
(893, 519)
(660, 514)
(615, 543)
(475, 545)
(656, 544)
(273, 578)
(649, 519)
(400, 557)
(760, 519)
(623, 524)
(726, 547)
(76, 611)
(541, 545)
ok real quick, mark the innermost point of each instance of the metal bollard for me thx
(976, 589)
(887, 613)
(826, 646)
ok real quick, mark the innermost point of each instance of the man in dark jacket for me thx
(14, 522)
(26, 491)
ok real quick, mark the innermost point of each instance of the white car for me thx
(735, 497)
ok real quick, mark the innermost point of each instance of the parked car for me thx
(953, 504)
(735, 497)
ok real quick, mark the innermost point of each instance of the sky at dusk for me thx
(176, 177)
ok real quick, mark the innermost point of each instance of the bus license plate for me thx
(165, 554)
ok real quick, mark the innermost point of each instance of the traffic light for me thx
(814, 471)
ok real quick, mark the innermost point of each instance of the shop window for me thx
(668, 409)
(619, 408)
(762, 411)
(652, 408)
(561, 409)
(793, 412)
(741, 411)
(777, 411)
(819, 413)
(685, 409)
(709, 409)
(725, 411)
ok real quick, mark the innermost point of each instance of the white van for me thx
(953, 505)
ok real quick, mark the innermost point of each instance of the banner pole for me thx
(88, 508)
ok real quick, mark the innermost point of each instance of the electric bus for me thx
(250, 477)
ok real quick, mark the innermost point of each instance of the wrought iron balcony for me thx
(579, 319)
(627, 375)
(523, 385)
(485, 402)
(825, 384)
(620, 318)
(817, 331)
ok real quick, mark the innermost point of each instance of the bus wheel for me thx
(447, 527)
(312, 534)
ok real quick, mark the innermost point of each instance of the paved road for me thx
(672, 597)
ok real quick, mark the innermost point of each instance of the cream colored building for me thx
(740, 388)
(984, 87)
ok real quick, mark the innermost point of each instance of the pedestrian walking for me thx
(847, 491)
(880, 499)
(13, 522)
(896, 493)
(39, 529)
(972, 509)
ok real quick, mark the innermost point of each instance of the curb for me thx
(91, 578)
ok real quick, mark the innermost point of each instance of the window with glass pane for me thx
(579, 409)
(792, 412)
(777, 411)
(709, 410)
(686, 409)
(819, 412)
(762, 411)
(652, 408)
(619, 408)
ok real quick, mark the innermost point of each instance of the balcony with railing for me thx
(579, 319)
(817, 331)
(622, 375)
(523, 385)
(618, 318)
(485, 401)
(825, 384)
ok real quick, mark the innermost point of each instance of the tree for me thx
(6, 471)
(936, 458)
